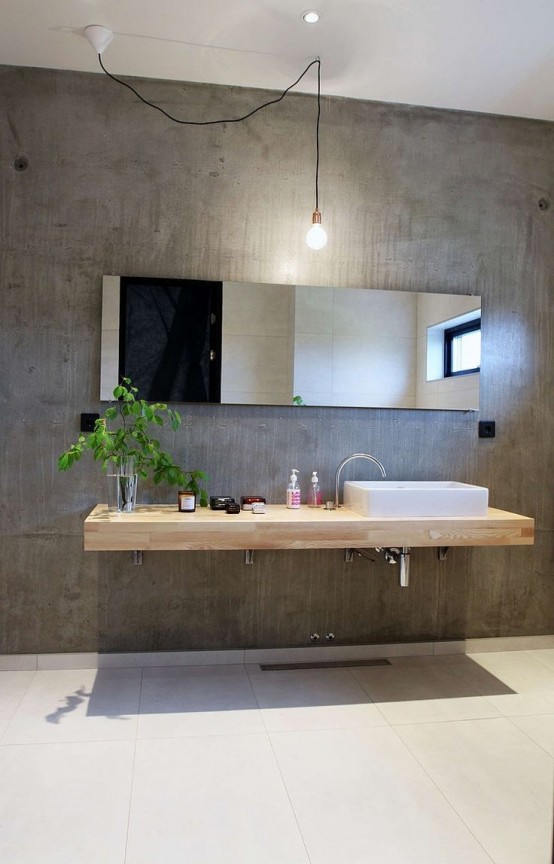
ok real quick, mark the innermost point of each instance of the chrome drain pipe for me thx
(404, 564)
(400, 556)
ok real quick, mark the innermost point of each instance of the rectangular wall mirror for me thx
(184, 340)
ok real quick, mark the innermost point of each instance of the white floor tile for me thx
(437, 710)
(545, 655)
(206, 800)
(212, 785)
(472, 678)
(427, 679)
(65, 803)
(520, 670)
(540, 729)
(520, 704)
(480, 681)
(360, 797)
(497, 779)
(177, 703)
(77, 705)
(13, 686)
(431, 689)
(313, 699)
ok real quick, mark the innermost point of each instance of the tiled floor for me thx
(431, 760)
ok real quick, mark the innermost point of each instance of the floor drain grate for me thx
(331, 664)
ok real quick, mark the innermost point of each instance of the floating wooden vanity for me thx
(163, 528)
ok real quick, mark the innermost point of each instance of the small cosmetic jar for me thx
(186, 502)
(219, 502)
(247, 501)
(258, 507)
(232, 507)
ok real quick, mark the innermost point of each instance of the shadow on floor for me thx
(176, 689)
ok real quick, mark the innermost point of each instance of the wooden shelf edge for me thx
(162, 528)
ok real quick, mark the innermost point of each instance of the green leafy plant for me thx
(123, 433)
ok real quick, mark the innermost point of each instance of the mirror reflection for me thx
(264, 344)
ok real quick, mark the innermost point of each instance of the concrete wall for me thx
(412, 199)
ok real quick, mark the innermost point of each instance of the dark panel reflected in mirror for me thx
(170, 338)
(288, 344)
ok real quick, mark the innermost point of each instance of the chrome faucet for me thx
(349, 459)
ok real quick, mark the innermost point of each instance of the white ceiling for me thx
(479, 55)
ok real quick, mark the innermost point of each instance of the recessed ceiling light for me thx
(311, 16)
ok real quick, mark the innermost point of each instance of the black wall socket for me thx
(487, 428)
(88, 421)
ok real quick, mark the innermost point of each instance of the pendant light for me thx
(316, 238)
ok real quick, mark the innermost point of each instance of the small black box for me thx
(219, 502)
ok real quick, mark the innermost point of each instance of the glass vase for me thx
(122, 485)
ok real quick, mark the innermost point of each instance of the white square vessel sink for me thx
(421, 498)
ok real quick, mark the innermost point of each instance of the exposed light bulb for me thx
(316, 238)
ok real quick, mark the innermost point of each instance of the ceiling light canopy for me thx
(99, 37)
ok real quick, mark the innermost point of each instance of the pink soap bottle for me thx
(293, 491)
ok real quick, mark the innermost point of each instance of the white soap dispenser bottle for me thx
(315, 493)
(293, 491)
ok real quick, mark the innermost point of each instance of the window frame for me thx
(450, 335)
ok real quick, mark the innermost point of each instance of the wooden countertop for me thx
(163, 527)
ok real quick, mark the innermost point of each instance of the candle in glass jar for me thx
(186, 502)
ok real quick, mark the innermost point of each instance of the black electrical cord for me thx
(232, 119)
(317, 62)
(317, 130)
